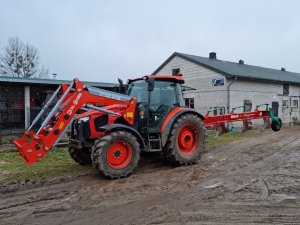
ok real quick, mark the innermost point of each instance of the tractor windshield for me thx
(164, 97)
(164, 93)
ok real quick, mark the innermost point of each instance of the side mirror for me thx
(150, 84)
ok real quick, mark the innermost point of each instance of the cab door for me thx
(164, 97)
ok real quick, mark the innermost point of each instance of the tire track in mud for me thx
(250, 181)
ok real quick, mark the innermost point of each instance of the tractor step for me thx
(155, 144)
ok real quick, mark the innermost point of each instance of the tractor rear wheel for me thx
(186, 140)
(116, 154)
(81, 156)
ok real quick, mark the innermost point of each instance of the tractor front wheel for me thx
(81, 156)
(186, 140)
(116, 154)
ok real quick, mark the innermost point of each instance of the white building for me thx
(221, 85)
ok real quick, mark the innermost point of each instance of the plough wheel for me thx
(266, 124)
(276, 124)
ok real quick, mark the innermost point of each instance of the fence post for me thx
(27, 106)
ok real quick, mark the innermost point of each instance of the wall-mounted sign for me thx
(217, 82)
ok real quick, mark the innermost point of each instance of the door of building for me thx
(275, 107)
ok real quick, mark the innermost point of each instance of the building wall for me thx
(291, 113)
(199, 78)
(207, 96)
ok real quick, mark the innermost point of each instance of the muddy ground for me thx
(255, 180)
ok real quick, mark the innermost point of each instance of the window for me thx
(175, 71)
(189, 102)
(286, 89)
(285, 103)
(295, 103)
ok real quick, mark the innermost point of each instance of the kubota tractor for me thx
(110, 130)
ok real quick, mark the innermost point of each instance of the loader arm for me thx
(35, 145)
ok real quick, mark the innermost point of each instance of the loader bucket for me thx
(31, 147)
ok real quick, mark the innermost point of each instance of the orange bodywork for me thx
(170, 115)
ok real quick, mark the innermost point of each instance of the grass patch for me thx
(228, 137)
(56, 163)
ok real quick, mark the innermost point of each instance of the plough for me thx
(220, 122)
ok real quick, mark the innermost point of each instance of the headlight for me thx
(84, 119)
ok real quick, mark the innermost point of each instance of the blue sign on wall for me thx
(218, 82)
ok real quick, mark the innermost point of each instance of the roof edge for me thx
(50, 81)
(186, 57)
(182, 55)
(164, 63)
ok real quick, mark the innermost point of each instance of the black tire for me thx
(104, 148)
(276, 124)
(81, 156)
(179, 155)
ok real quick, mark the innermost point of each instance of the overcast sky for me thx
(103, 40)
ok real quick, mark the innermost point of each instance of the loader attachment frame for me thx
(35, 145)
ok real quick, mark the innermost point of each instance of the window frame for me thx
(286, 89)
(190, 103)
(295, 105)
(285, 105)
(175, 71)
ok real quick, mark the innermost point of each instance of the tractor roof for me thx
(176, 79)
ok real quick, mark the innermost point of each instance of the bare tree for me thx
(21, 59)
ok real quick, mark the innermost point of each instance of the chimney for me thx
(54, 75)
(213, 55)
(282, 69)
(241, 61)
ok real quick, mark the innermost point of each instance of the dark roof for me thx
(51, 81)
(237, 70)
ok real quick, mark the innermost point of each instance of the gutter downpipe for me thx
(228, 93)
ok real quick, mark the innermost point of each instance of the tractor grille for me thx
(100, 121)
(86, 129)
(83, 127)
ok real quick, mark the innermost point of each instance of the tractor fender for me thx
(117, 126)
(170, 119)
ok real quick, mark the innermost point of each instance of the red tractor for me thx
(110, 129)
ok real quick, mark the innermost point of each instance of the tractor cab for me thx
(156, 96)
